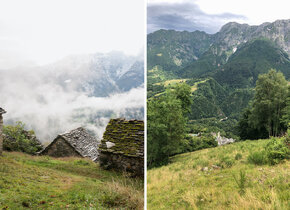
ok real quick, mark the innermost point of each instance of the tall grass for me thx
(186, 184)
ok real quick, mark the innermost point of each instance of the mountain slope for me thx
(229, 62)
(98, 74)
(205, 179)
(173, 50)
(42, 182)
(250, 60)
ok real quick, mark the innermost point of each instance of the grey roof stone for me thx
(85, 144)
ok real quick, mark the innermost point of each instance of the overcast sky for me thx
(43, 31)
(210, 15)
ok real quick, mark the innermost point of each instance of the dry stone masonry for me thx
(122, 146)
(77, 142)
(2, 111)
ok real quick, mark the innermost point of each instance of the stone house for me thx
(76, 143)
(122, 146)
(2, 111)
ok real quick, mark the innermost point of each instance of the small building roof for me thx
(125, 137)
(85, 144)
(2, 111)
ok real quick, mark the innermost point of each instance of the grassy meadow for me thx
(41, 182)
(219, 178)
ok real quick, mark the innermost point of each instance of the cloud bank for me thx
(50, 107)
(185, 16)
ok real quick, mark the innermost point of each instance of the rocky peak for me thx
(233, 25)
(233, 34)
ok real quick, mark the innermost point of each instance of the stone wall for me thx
(60, 148)
(122, 146)
(1, 135)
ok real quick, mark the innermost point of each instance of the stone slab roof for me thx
(124, 137)
(85, 144)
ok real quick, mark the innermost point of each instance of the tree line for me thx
(268, 114)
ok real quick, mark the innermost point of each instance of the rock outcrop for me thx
(223, 140)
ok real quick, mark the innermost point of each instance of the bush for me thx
(190, 144)
(20, 140)
(241, 182)
(226, 162)
(238, 156)
(277, 150)
(258, 158)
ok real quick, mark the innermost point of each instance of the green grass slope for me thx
(186, 183)
(64, 183)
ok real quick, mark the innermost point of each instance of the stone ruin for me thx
(122, 146)
(2, 111)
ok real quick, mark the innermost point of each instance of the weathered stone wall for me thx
(119, 162)
(60, 148)
(122, 146)
(1, 135)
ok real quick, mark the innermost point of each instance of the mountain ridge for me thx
(221, 45)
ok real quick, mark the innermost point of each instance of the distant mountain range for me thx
(191, 54)
(99, 75)
(221, 68)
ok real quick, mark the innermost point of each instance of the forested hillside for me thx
(225, 79)
(221, 69)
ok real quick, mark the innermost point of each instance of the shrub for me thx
(241, 182)
(226, 162)
(190, 143)
(238, 156)
(18, 139)
(277, 150)
(258, 158)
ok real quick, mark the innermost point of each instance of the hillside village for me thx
(122, 147)
(117, 161)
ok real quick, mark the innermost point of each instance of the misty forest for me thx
(219, 118)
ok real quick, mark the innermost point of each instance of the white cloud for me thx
(45, 31)
(217, 13)
(48, 105)
(257, 11)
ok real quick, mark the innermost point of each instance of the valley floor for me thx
(210, 179)
(64, 183)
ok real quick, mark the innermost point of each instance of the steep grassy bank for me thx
(59, 183)
(219, 178)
